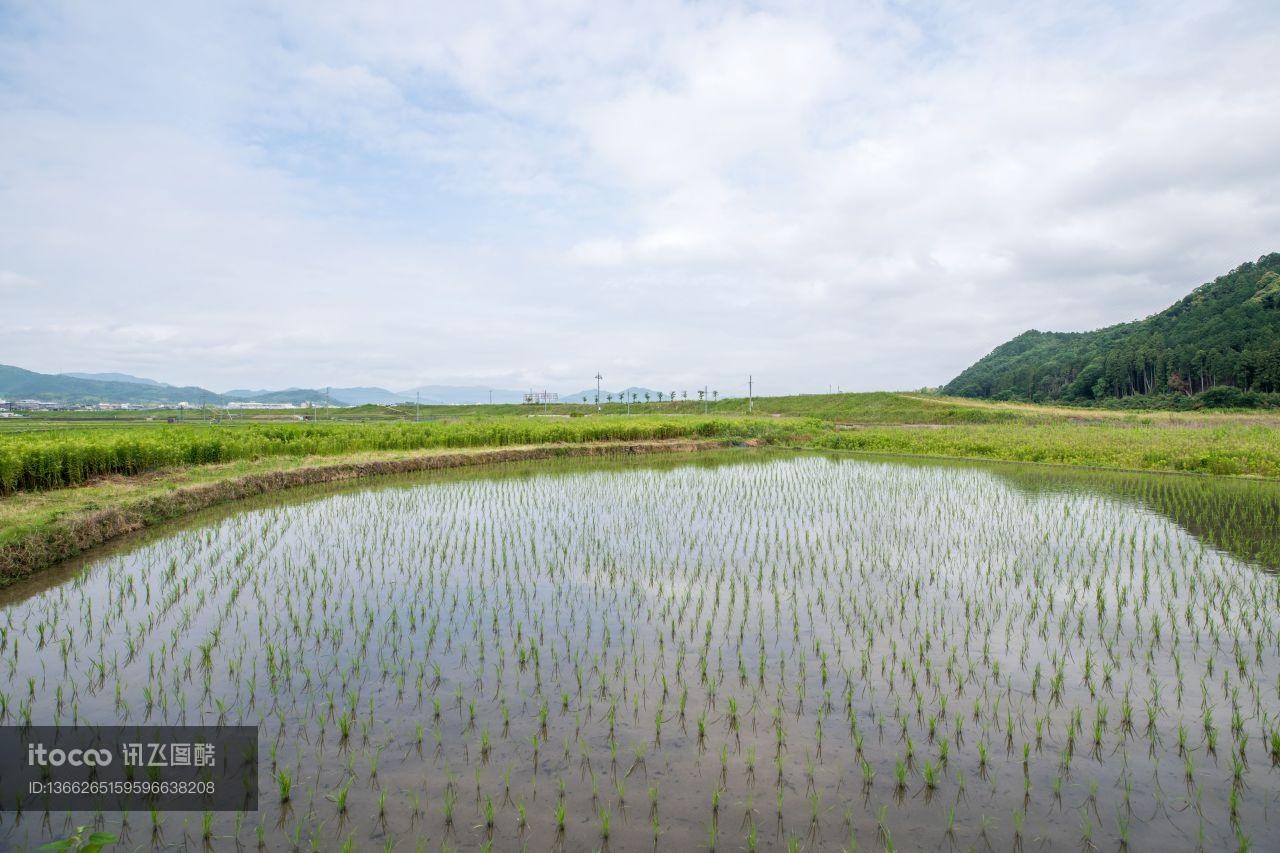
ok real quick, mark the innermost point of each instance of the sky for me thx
(859, 195)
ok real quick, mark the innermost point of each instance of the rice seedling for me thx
(446, 805)
(930, 776)
(340, 797)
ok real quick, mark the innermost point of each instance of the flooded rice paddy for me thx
(734, 652)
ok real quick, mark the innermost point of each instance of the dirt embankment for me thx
(74, 534)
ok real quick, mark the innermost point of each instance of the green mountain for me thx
(19, 384)
(76, 389)
(87, 389)
(1224, 333)
(363, 396)
(297, 396)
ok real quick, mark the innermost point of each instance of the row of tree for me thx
(648, 398)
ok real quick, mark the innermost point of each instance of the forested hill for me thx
(1224, 333)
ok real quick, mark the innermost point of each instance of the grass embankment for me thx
(53, 477)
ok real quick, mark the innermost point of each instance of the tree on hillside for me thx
(1224, 333)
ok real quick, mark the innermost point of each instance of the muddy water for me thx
(740, 648)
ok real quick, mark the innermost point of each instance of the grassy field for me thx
(863, 408)
(875, 407)
(1226, 447)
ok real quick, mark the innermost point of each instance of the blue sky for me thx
(869, 195)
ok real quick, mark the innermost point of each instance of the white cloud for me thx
(672, 193)
(10, 280)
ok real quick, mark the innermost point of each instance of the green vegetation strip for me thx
(70, 457)
(1236, 449)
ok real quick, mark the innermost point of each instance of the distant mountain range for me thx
(19, 384)
(89, 388)
(1224, 333)
(116, 377)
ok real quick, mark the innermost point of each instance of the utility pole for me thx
(598, 378)
(490, 396)
(751, 403)
(705, 394)
(417, 405)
